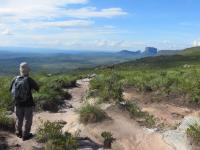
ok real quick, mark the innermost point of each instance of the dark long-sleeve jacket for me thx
(33, 86)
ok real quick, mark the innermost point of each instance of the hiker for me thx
(21, 89)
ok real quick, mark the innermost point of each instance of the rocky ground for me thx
(128, 132)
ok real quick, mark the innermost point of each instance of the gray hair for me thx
(24, 69)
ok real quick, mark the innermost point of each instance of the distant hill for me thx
(57, 61)
(127, 52)
(168, 52)
(67, 61)
(189, 56)
(193, 51)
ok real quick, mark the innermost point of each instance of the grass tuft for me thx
(91, 114)
(193, 131)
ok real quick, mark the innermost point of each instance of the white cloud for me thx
(46, 23)
(90, 12)
(61, 24)
(4, 30)
(196, 43)
(48, 9)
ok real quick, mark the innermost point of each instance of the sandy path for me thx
(129, 135)
(68, 115)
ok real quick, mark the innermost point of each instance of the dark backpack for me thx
(21, 89)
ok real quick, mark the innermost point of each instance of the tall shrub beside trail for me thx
(5, 96)
(6, 123)
(51, 94)
(107, 87)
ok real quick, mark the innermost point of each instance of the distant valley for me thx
(59, 61)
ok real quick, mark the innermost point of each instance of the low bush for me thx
(135, 112)
(6, 123)
(49, 130)
(107, 87)
(51, 94)
(50, 133)
(150, 120)
(108, 139)
(91, 114)
(66, 142)
(5, 96)
(193, 131)
(133, 109)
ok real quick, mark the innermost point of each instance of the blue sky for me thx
(100, 24)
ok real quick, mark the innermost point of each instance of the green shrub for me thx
(108, 139)
(135, 112)
(193, 131)
(6, 123)
(49, 130)
(91, 114)
(51, 134)
(51, 94)
(5, 96)
(107, 135)
(107, 87)
(150, 120)
(66, 142)
(133, 109)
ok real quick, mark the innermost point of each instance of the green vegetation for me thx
(91, 114)
(193, 131)
(150, 120)
(193, 51)
(5, 97)
(162, 75)
(107, 87)
(135, 112)
(6, 123)
(51, 94)
(51, 134)
(133, 109)
(108, 139)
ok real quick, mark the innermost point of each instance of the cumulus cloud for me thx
(48, 9)
(47, 22)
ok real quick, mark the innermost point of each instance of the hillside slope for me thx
(189, 56)
(193, 51)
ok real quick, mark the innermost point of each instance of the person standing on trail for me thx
(21, 90)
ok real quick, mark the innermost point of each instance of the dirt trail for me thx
(129, 135)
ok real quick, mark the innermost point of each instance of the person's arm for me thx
(34, 85)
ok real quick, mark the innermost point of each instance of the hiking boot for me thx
(27, 137)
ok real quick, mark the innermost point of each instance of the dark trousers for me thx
(24, 115)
